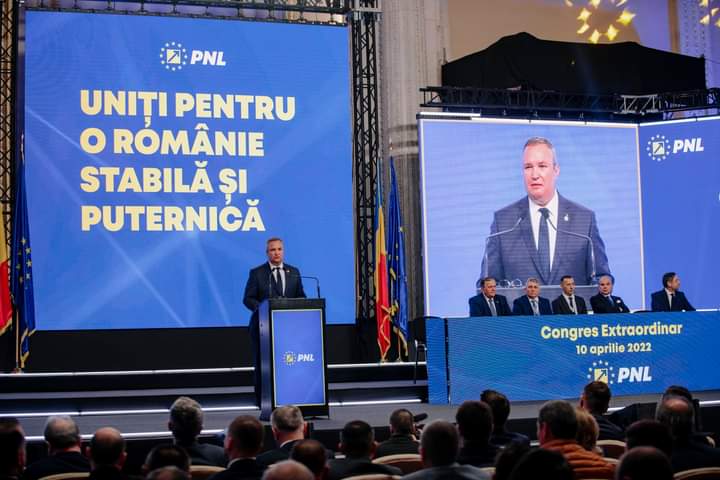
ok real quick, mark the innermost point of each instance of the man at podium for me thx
(272, 279)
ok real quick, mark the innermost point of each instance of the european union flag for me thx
(396, 259)
(21, 280)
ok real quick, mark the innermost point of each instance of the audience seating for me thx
(202, 472)
(712, 473)
(407, 462)
(612, 448)
(374, 476)
(68, 476)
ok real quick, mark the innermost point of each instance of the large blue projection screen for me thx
(473, 184)
(161, 154)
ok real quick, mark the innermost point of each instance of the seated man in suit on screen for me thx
(532, 303)
(670, 298)
(487, 303)
(605, 301)
(544, 235)
(568, 303)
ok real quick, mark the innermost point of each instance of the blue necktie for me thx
(544, 244)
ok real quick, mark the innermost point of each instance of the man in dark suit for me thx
(439, 447)
(487, 303)
(532, 303)
(605, 301)
(107, 455)
(12, 449)
(288, 428)
(595, 399)
(568, 303)
(544, 235)
(64, 454)
(357, 443)
(270, 280)
(474, 421)
(402, 435)
(186, 423)
(500, 406)
(243, 442)
(313, 455)
(670, 298)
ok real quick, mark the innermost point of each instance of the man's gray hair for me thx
(532, 141)
(288, 418)
(61, 432)
(186, 416)
(288, 470)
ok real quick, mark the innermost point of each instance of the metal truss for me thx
(564, 105)
(366, 130)
(7, 62)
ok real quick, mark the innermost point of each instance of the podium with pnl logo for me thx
(292, 352)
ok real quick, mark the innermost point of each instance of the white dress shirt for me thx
(281, 272)
(535, 217)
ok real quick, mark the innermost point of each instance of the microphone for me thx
(586, 237)
(317, 280)
(497, 234)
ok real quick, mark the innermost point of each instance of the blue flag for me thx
(396, 262)
(21, 282)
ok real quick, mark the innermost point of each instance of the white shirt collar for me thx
(281, 266)
(552, 205)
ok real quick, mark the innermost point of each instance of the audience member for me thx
(288, 428)
(288, 470)
(542, 464)
(587, 432)
(358, 445)
(168, 473)
(313, 455)
(644, 463)
(557, 428)
(64, 450)
(107, 455)
(402, 435)
(166, 455)
(595, 399)
(508, 458)
(687, 453)
(500, 406)
(649, 433)
(186, 422)
(439, 446)
(12, 449)
(243, 442)
(474, 421)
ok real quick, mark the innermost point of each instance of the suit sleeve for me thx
(492, 265)
(655, 303)
(474, 310)
(601, 261)
(596, 306)
(688, 307)
(505, 307)
(517, 309)
(250, 298)
(300, 293)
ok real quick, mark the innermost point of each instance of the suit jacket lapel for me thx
(560, 239)
(527, 235)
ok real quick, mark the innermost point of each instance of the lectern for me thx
(292, 353)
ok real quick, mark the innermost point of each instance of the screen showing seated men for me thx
(515, 199)
(162, 153)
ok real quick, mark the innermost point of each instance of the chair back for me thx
(612, 448)
(67, 476)
(407, 462)
(374, 476)
(711, 473)
(202, 472)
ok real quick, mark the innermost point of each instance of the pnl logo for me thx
(601, 371)
(659, 148)
(291, 358)
(173, 56)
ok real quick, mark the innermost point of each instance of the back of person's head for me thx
(357, 439)
(167, 455)
(168, 473)
(401, 422)
(311, 453)
(596, 397)
(12, 447)
(287, 419)
(61, 433)
(667, 277)
(649, 433)
(244, 437)
(587, 431)
(500, 406)
(439, 444)
(677, 414)
(288, 470)
(107, 447)
(644, 463)
(474, 420)
(542, 464)
(186, 420)
(508, 458)
(678, 391)
(559, 419)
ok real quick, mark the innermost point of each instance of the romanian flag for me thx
(382, 301)
(5, 303)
